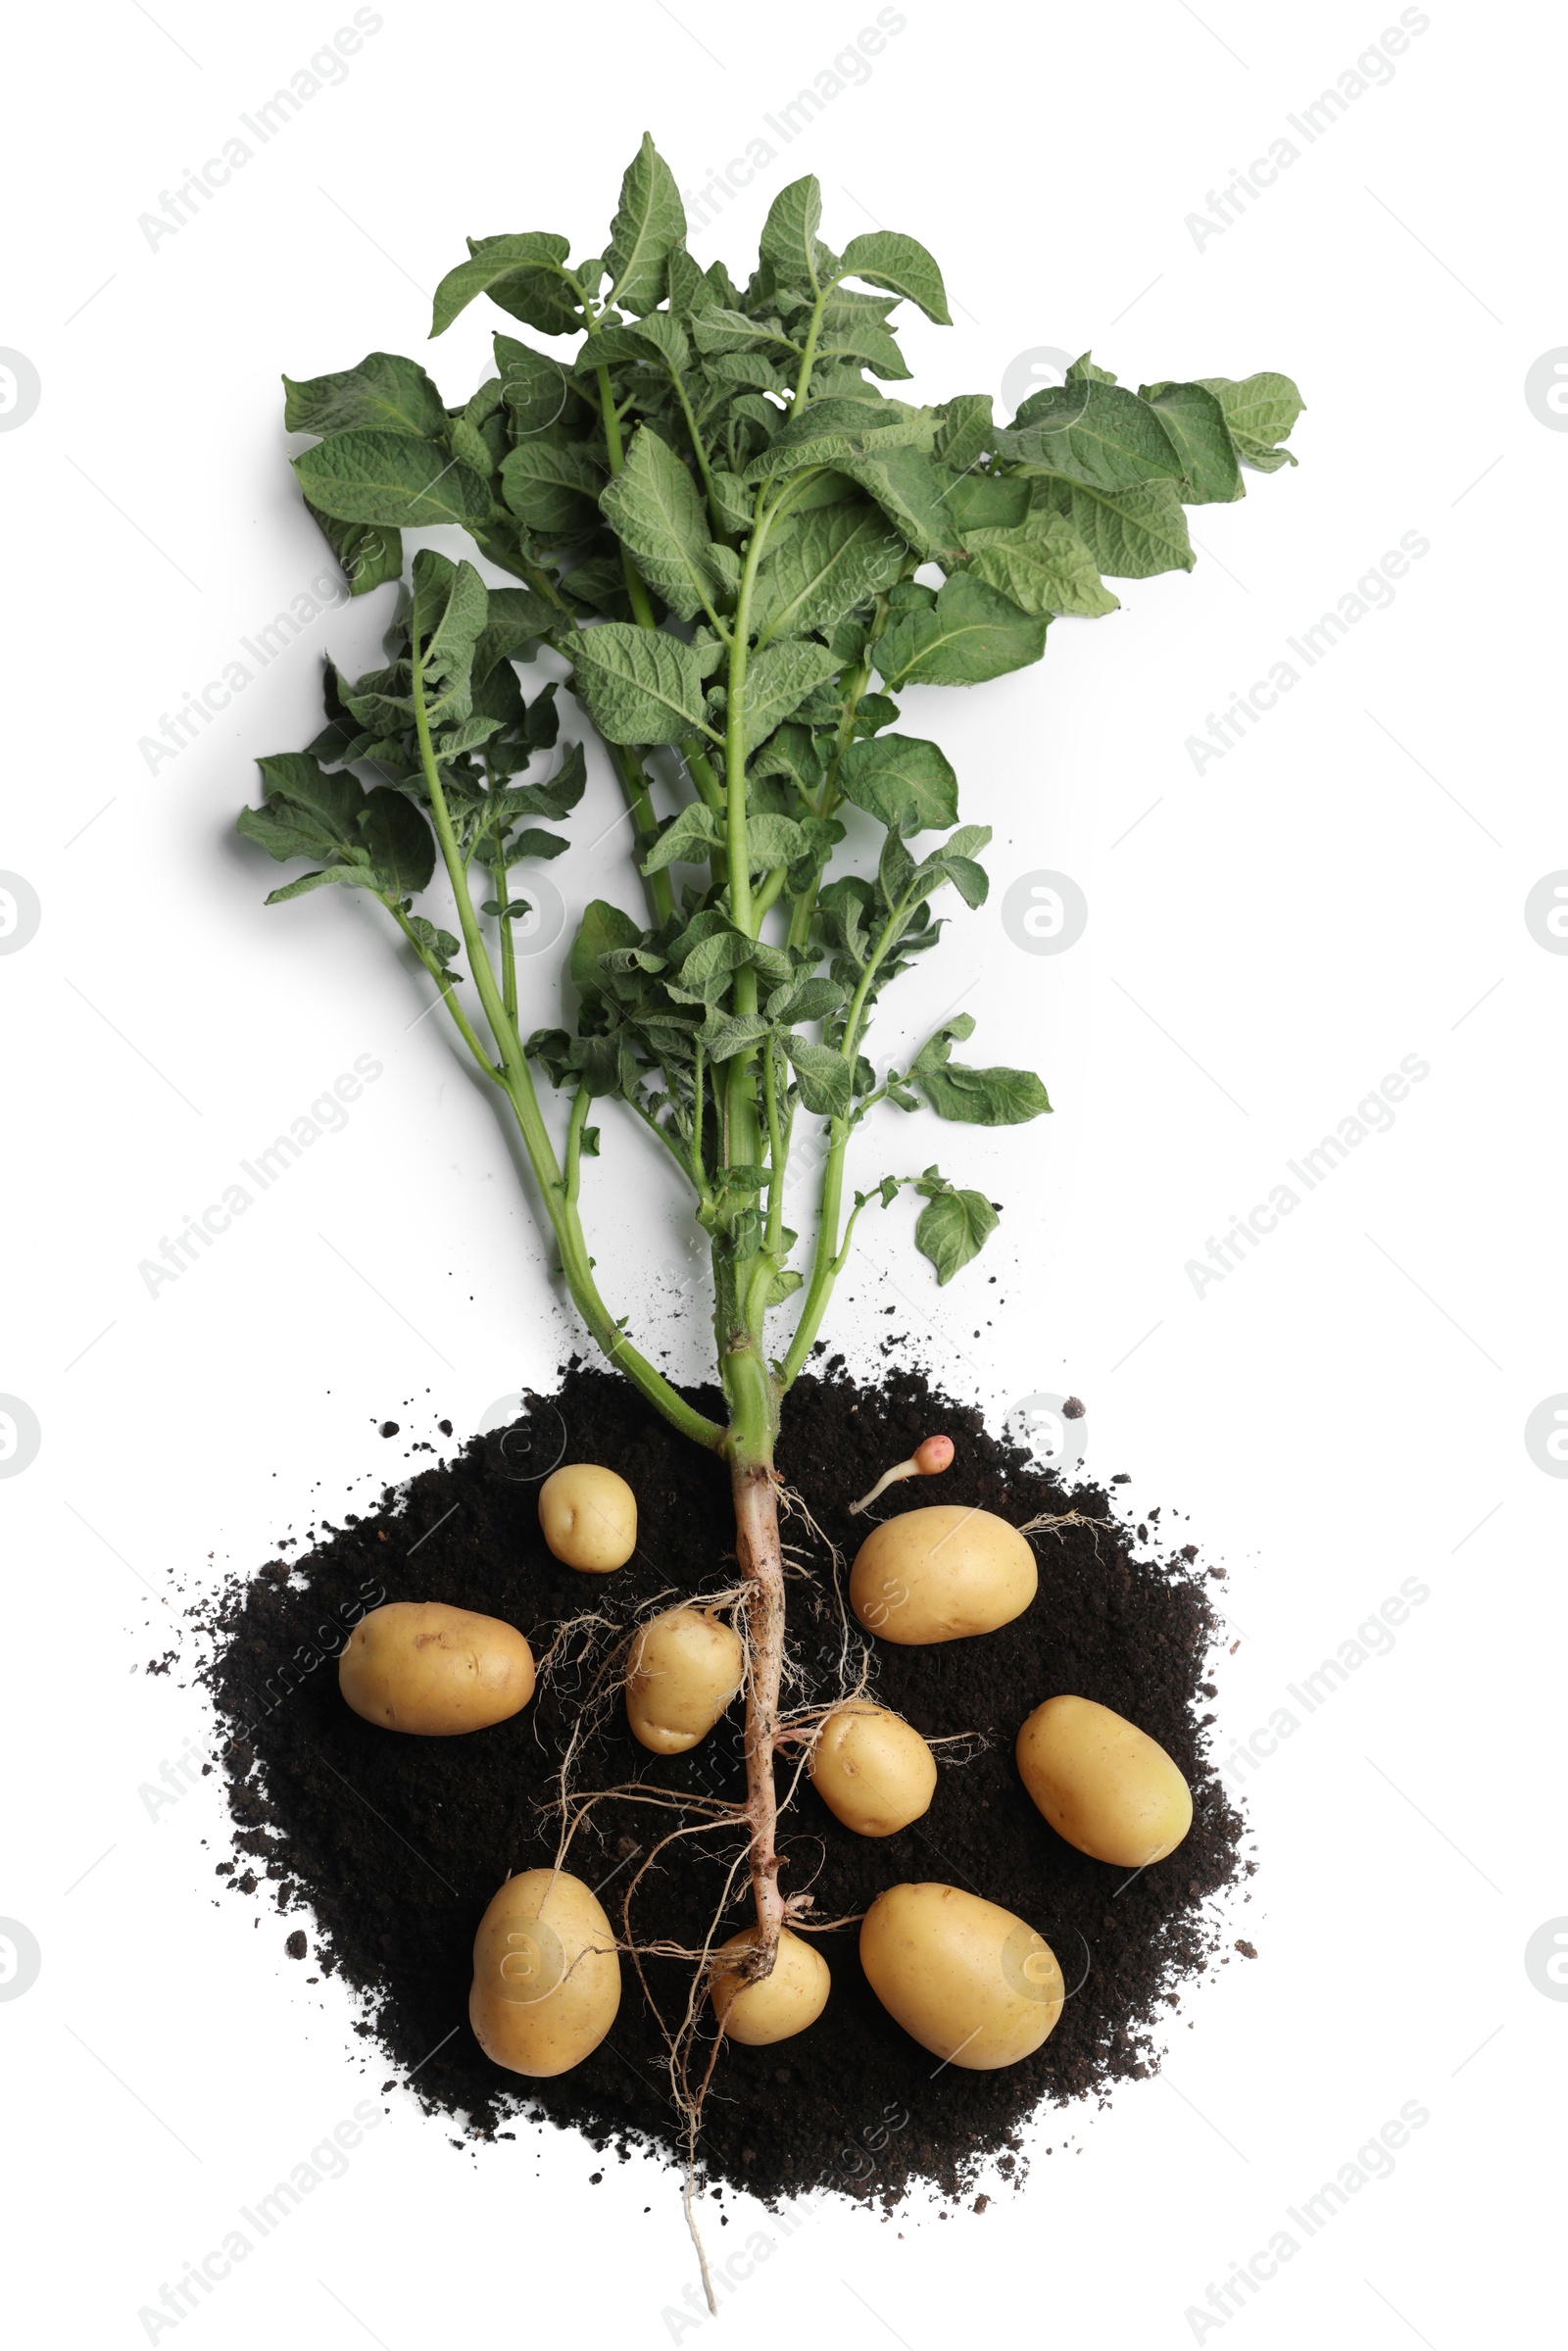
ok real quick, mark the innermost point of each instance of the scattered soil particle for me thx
(296, 1945)
(396, 1846)
(1247, 1950)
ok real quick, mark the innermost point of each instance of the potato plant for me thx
(745, 549)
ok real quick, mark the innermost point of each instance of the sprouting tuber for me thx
(1104, 1785)
(684, 1668)
(433, 1670)
(758, 2010)
(968, 1979)
(546, 1975)
(942, 1574)
(872, 1770)
(928, 1460)
(588, 1516)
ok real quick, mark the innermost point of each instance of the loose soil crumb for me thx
(395, 1845)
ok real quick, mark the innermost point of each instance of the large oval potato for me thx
(546, 1976)
(942, 1574)
(685, 1667)
(963, 1977)
(872, 1770)
(779, 2005)
(421, 1666)
(589, 1517)
(1102, 1783)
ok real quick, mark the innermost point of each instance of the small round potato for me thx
(942, 1574)
(963, 1977)
(685, 1668)
(1102, 1783)
(872, 1770)
(589, 1517)
(420, 1666)
(783, 2003)
(546, 1976)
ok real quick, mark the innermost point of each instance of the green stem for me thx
(518, 1080)
(443, 980)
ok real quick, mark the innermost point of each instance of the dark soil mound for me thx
(395, 1845)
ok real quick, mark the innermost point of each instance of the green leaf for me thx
(733, 500)
(987, 502)
(722, 1035)
(553, 489)
(400, 843)
(520, 274)
(1259, 412)
(777, 681)
(789, 238)
(691, 839)
(1094, 433)
(368, 554)
(820, 565)
(383, 392)
(640, 684)
(1131, 536)
(374, 477)
(603, 927)
(1195, 423)
(439, 945)
(309, 812)
(773, 840)
(972, 632)
(650, 223)
(904, 782)
(953, 1229)
(910, 487)
(885, 258)
(985, 1097)
(1043, 565)
(533, 386)
(967, 430)
(1083, 371)
(654, 508)
(824, 1078)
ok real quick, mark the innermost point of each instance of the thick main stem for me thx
(761, 1564)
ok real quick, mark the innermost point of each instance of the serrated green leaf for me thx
(953, 1228)
(972, 632)
(640, 684)
(654, 508)
(520, 274)
(904, 782)
(1260, 411)
(650, 223)
(1131, 536)
(468, 443)
(1043, 565)
(383, 392)
(437, 944)
(391, 479)
(1195, 421)
(883, 258)
(820, 565)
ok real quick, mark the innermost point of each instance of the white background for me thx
(1347, 888)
